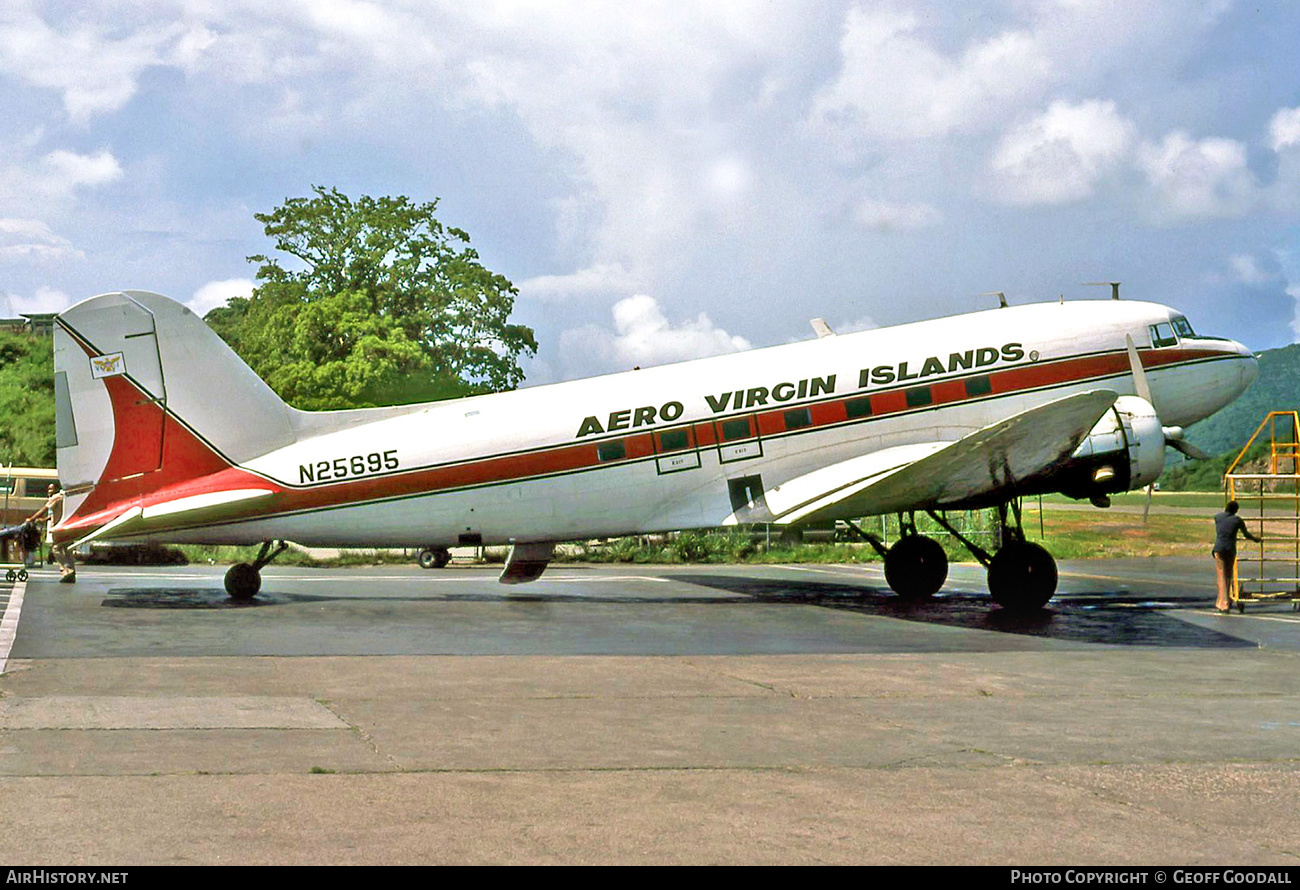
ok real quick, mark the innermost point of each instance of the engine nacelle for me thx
(1125, 450)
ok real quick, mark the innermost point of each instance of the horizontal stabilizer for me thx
(934, 475)
(112, 525)
(202, 506)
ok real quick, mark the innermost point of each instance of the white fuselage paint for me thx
(688, 488)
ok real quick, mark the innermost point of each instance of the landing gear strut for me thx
(244, 580)
(1022, 575)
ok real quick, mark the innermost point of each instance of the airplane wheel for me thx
(1022, 576)
(243, 581)
(434, 558)
(10, 575)
(22, 574)
(916, 567)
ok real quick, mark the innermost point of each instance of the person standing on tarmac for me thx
(1226, 526)
(53, 512)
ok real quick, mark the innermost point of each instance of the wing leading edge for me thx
(936, 474)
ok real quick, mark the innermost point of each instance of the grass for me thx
(1099, 534)
(1211, 501)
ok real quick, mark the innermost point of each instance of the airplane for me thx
(164, 434)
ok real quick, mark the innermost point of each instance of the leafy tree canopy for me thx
(26, 400)
(390, 307)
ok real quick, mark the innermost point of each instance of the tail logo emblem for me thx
(111, 365)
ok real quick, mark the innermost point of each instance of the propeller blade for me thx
(1139, 374)
(1187, 448)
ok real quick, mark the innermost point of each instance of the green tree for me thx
(385, 305)
(26, 400)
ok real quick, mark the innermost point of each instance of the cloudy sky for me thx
(669, 180)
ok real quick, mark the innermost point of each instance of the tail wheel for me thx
(243, 581)
(916, 567)
(1022, 576)
(434, 558)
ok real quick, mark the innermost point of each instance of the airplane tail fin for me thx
(147, 396)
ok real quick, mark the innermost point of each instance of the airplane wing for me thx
(933, 474)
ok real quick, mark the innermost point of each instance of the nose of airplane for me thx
(1248, 368)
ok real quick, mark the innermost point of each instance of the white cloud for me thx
(643, 336)
(1198, 180)
(66, 170)
(41, 186)
(602, 278)
(1247, 269)
(218, 293)
(893, 84)
(32, 239)
(886, 216)
(1284, 129)
(1062, 154)
(45, 299)
(93, 67)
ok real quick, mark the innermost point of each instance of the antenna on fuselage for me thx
(1113, 285)
(1002, 298)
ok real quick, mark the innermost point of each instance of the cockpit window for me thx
(1163, 335)
(1183, 328)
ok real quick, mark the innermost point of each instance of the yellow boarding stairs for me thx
(1270, 505)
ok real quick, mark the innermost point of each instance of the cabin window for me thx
(919, 396)
(614, 450)
(1183, 328)
(979, 386)
(798, 418)
(673, 440)
(860, 407)
(735, 429)
(1163, 335)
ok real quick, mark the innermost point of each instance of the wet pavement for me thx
(646, 714)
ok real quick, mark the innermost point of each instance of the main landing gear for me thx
(915, 566)
(244, 579)
(1022, 575)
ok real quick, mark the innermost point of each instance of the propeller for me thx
(1175, 439)
(1139, 373)
(1175, 436)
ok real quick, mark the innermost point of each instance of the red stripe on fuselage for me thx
(190, 467)
(577, 457)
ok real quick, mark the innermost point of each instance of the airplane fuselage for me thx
(682, 445)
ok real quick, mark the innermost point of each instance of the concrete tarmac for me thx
(633, 714)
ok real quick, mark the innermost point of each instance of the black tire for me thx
(10, 575)
(434, 558)
(1022, 576)
(22, 574)
(916, 567)
(243, 581)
